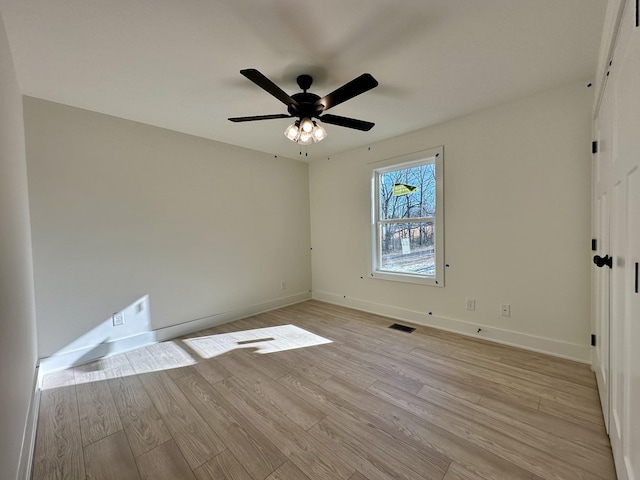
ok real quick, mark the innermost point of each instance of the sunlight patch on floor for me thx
(262, 340)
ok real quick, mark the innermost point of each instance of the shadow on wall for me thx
(128, 328)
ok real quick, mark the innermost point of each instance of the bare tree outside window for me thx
(408, 246)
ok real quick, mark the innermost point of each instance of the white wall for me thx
(121, 210)
(17, 310)
(517, 216)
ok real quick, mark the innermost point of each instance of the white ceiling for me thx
(175, 64)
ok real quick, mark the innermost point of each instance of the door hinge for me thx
(593, 340)
(594, 147)
(594, 245)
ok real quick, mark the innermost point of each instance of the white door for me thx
(622, 94)
(601, 274)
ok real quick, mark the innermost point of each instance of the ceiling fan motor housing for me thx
(306, 107)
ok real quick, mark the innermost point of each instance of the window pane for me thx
(408, 193)
(408, 248)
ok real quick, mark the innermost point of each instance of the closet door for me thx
(601, 225)
(624, 379)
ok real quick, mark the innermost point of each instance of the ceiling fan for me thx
(308, 106)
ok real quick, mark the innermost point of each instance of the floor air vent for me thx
(402, 328)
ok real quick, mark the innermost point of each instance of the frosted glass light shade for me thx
(306, 125)
(305, 138)
(319, 133)
(292, 132)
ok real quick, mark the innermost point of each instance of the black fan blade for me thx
(347, 122)
(263, 82)
(259, 117)
(349, 90)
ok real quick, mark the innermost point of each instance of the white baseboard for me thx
(90, 353)
(571, 351)
(64, 360)
(29, 436)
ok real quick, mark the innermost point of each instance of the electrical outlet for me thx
(505, 310)
(471, 304)
(118, 319)
(283, 285)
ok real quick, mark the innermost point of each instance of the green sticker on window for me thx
(400, 189)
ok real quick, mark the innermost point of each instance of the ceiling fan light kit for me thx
(307, 106)
(305, 133)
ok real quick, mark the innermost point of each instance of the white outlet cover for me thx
(118, 319)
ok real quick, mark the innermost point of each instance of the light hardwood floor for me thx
(247, 401)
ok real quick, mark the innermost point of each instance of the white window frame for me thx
(433, 155)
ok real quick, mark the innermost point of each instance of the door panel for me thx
(631, 447)
(617, 312)
(601, 295)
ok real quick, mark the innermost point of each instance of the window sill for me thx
(407, 278)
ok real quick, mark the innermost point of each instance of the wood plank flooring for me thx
(319, 392)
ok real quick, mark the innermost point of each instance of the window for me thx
(407, 218)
